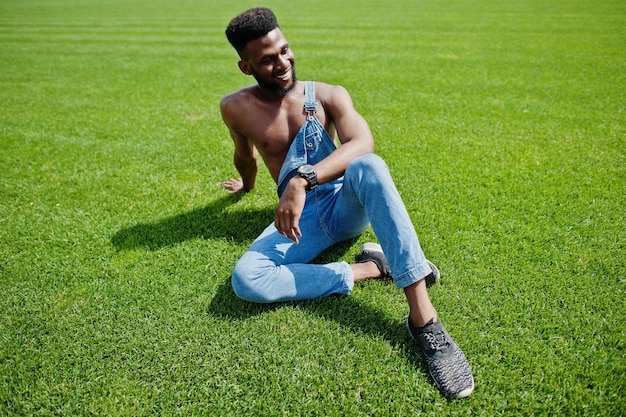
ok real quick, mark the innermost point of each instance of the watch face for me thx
(306, 169)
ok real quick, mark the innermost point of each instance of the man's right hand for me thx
(234, 186)
(289, 209)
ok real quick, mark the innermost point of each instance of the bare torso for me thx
(271, 125)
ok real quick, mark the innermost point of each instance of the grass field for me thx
(503, 124)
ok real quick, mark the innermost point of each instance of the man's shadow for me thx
(222, 219)
(339, 308)
(217, 220)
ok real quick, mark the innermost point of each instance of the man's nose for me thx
(283, 61)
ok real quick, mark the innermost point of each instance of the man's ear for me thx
(244, 66)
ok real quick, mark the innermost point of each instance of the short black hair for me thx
(250, 25)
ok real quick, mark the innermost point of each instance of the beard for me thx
(275, 87)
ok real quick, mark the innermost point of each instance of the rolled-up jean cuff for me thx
(413, 275)
(348, 282)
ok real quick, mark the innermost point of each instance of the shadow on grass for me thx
(215, 221)
(211, 221)
(339, 308)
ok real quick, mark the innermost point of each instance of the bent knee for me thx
(250, 283)
(367, 167)
(367, 162)
(242, 281)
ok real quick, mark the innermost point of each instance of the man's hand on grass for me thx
(234, 186)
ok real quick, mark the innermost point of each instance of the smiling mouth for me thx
(285, 75)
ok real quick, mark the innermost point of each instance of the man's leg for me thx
(368, 186)
(369, 190)
(364, 271)
(276, 269)
(421, 310)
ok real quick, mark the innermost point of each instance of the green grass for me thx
(503, 124)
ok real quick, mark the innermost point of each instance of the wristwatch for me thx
(308, 173)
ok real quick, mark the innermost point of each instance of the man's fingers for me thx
(295, 234)
(288, 212)
(279, 226)
(293, 237)
(233, 185)
(292, 232)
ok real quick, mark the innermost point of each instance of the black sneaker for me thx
(434, 276)
(373, 252)
(446, 363)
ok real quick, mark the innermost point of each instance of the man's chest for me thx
(272, 132)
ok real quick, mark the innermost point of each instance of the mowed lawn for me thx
(503, 124)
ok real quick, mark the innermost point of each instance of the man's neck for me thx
(269, 95)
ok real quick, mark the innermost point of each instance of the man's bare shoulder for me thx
(335, 99)
(238, 98)
(235, 105)
(327, 93)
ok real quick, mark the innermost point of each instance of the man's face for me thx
(272, 63)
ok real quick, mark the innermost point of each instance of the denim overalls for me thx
(311, 145)
(276, 269)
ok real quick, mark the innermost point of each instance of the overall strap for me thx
(310, 145)
(310, 104)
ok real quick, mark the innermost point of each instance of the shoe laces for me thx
(438, 341)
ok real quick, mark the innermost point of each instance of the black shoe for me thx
(373, 252)
(446, 363)
(434, 276)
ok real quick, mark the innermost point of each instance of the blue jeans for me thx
(276, 269)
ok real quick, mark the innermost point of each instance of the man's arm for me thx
(245, 157)
(356, 140)
(246, 161)
(353, 132)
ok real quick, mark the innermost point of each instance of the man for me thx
(326, 194)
